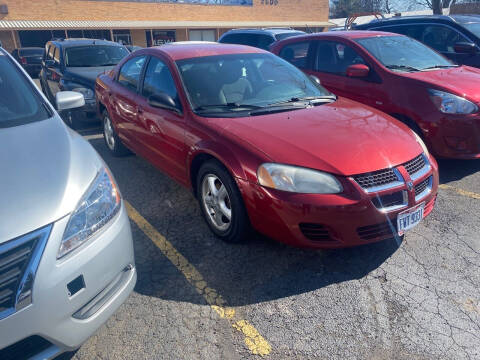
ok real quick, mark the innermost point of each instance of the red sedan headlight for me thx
(297, 179)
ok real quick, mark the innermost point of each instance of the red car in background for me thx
(401, 77)
(263, 145)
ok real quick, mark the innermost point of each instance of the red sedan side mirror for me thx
(358, 71)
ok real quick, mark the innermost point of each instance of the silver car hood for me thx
(45, 168)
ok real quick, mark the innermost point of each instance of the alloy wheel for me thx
(216, 202)
(108, 133)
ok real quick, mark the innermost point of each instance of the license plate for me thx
(410, 218)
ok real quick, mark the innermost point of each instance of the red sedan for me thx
(264, 146)
(401, 77)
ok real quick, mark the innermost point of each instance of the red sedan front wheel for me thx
(221, 203)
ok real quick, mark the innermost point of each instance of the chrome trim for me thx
(23, 297)
(427, 190)
(423, 171)
(388, 186)
(396, 207)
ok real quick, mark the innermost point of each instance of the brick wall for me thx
(468, 8)
(138, 37)
(7, 40)
(286, 10)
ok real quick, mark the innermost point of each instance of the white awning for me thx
(64, 24)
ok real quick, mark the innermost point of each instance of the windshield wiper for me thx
(306, 98)
(401, 67)
(231, 105)
(440, 66)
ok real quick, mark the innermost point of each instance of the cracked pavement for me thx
(419, 299)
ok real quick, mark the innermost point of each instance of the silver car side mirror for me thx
(69, 100)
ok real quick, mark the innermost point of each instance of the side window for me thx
(296, 54)
(159, 79)
(334, 57)
(232, 39)
(264, 41)
(51, 50)
(56, 55)
(130, 72)
(440, 38)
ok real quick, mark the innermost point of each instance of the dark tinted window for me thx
(288, 34)
(335, 57)
(159, 79)
(262, 41)
(31, 52)
(95, 55)
(19, 102)
(296, 53)
(441, 38)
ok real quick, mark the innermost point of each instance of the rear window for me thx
(94, 56)
(31, 52)
(288, 34)
(19, 102)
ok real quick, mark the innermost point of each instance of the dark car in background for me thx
(259, 38)
(132, 48)
(457, 37)
(30, 58)
(74, 65)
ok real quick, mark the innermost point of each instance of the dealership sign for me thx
(199, 2)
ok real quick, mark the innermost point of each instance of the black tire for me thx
(117, 148)
(240, 227)
(72, 119)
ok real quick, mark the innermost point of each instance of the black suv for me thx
(74, 64)
(456, 36)
(260, 38)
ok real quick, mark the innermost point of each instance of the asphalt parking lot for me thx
(199, 298)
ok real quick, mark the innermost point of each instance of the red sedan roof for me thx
(186, 50)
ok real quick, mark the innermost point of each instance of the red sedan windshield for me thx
(256, 80)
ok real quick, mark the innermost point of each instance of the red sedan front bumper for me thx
(331, 221)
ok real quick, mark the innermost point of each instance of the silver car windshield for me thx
(19, 102)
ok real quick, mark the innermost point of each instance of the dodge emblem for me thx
(410, 186)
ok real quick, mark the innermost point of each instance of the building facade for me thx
(149, 22)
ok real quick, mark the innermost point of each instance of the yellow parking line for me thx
(253, 339)
(460, 191)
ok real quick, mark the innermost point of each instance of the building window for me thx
(202, 35)
(159, 37)
(122, 36)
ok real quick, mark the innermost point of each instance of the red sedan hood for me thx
(344, 137)
(462, 80)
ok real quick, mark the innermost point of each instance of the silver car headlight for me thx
(96, 208)
(88, 94)
(451, 104)
(297, 179)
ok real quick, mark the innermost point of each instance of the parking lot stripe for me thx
(460, 191)
(255, 342)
